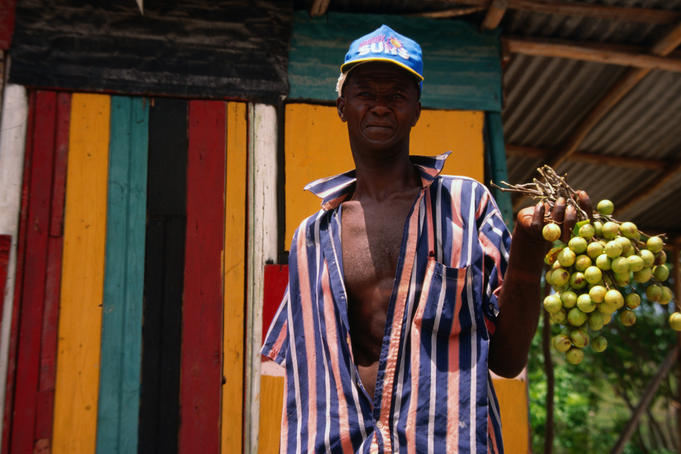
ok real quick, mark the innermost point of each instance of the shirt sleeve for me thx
(276, 341)
(495, 240)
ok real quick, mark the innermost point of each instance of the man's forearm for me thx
(520, 306)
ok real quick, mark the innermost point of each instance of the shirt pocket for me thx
(443, 308)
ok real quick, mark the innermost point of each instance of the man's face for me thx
(380, 104)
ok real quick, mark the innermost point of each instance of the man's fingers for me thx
(558, 211)
(569, 222)
(538, 217)
(584, 202)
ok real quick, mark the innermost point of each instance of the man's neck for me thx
(379, 179)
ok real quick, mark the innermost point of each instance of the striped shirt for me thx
(433, 391)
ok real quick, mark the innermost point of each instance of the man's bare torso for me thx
(371, 239)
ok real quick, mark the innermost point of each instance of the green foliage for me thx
(592, 400)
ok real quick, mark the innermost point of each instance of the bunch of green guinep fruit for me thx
(592, 277)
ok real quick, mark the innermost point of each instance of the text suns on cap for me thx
(379, 45)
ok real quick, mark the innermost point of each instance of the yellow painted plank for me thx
(271, 401)
(80, 315)
(316, 146)
(512, 395)
(234, 275)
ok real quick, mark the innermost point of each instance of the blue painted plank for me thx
(462, 67)
(496, 157)
(121, 348)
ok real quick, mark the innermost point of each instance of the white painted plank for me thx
(262, 246)
(12, 145)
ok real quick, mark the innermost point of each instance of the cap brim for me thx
(349, 65)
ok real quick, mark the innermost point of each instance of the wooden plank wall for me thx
(121, 343)
(42, 246)
(90, 288)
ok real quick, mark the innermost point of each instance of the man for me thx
(395, 307)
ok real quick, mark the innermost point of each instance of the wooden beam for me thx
(661, 181)
(619, 13)
(495, 13)
(450, 12)
(623, 86)
(590, 52)
(319, 7)
(594, 158)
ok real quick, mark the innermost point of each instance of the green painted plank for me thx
(462, 67)
(496, 156)
(121, 348)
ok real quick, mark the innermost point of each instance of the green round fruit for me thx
(586, 231)
(566, 257)
(667, 295)
(635, 263)
(654, 244)
(568, 298)
(599, 344)
(619, 265)
(597, 293)
(613, 249)
(603, 262)
(552, 304)
(627, 248)
(622, 279)
(643, 275)
(579, 338)
(585, 304)
(647, 257)
(576, 317)
(562, 343)
(582, 262)
(632, 300)
(660, 258)
(593, 275)
(559, 317)
(610, 230)
(577, 244)
(551, 232)
(627, 318)
(630, 230)
(574, 356)
(654, 292)
(605, 207)
(607, 308)
(577, 280)
(596, 320)
(675, 321)
(594, 249)
(598, 227)
(661, 273)
(614, 297)
(559, 277)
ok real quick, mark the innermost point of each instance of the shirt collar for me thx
(333, 190)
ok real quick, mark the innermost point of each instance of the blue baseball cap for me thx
(385, 44)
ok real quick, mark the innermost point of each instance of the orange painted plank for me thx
(234, 279)
(202, 317)
(75, 407)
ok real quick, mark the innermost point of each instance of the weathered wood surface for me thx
(5, 247)
(262, 249)
(75, 407)
(12, 197)
(234, 279)
(41, 271)
(121, 345)
(191, 48)
(164, 276)
(202, 317)
(461, 65)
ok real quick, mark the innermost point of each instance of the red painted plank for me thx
(6, 22)
(18, 279)
(48, 349)
(5, 244)
(34, 279)
(201, 368)
(276, 280)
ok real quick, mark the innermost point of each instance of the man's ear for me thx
(340, 106)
